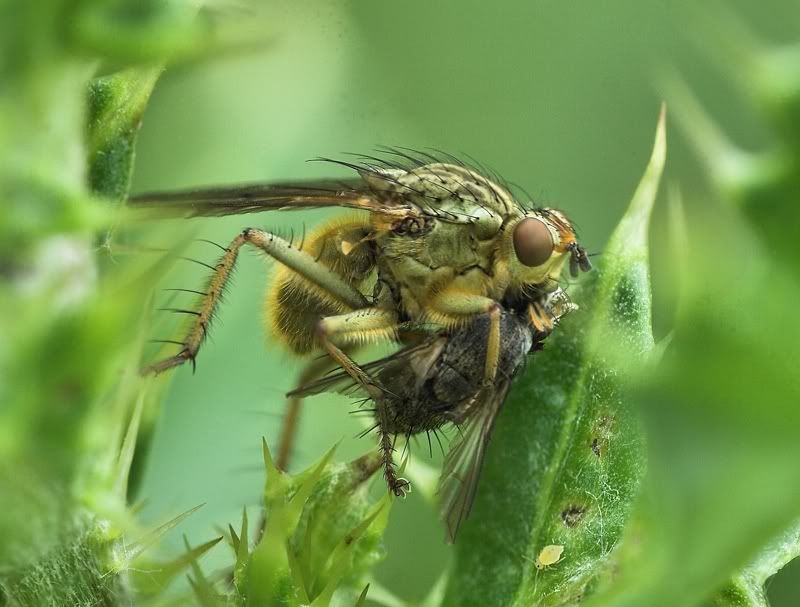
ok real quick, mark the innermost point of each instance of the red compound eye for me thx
(533, 243)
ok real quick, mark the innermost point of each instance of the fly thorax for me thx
(486, 224)
(441, 190)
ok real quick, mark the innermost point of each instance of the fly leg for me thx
(543, 316)
(360, 326)
(291, 417)
(541, 320)
(397, 484)
(202, 315)
(374, 325)
(277, 248)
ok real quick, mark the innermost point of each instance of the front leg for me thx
(543, 316)
(541, 320)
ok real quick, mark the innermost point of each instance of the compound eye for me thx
(533, 243)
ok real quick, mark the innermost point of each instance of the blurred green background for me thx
(558, 97)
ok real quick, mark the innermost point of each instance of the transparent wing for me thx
(462, 466)
(400, 371)
(234, 200)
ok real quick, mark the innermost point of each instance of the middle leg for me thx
(453, 308)
(361, 326)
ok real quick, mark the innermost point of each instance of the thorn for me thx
(128, 449)
(234, 538)
(728, 163)
(137, 548)
(242, 553)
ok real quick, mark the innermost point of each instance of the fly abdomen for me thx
(452, 385)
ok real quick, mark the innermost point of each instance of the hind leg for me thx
(279, 249)
(291, 417)
(359, 326)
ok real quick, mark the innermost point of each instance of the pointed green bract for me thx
(764, 185)
(116, 106)
(362, 598)
(135, 549)
(321, 534)
(242, 551)
(234, 539)
(128, 448)
(150, 577)
(202, 587)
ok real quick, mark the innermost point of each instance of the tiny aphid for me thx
(549, 555)
(439, 382)
(430, 245)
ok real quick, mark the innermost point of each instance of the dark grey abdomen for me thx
(457, 374)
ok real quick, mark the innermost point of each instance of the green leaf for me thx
(139, 31)
(116, 106)
(764, 185)
(747, 588)
(566, 458)
(721, 419)
(721, 409)
(719, 511)
(71, 343)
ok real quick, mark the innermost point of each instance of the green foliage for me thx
(567, 454)
(71, 574)
(319, 537)
(720, 409)
(703, 511)
(71, 395)
(116, 105)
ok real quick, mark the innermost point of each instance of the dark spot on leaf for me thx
(573, 514)
(602, 433)
(604, 422)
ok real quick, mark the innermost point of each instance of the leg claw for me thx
(401, 487)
